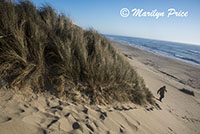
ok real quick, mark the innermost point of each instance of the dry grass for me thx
(45, 51)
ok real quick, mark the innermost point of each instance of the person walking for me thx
(162, 91)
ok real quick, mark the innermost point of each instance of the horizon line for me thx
(187, 43)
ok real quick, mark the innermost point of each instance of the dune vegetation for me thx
(45, 51)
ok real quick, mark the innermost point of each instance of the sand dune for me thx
(28, 113)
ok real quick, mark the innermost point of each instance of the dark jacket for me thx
(162, 91)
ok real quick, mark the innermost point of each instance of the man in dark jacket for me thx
(162, 91)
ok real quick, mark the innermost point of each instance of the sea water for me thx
(185, 52)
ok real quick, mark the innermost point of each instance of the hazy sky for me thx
(104, 16)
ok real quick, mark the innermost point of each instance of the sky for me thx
(104, 16)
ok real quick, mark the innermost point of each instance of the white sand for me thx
(46, 114)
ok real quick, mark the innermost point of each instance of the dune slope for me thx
(44, 51)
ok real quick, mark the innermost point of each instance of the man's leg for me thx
(161, 97)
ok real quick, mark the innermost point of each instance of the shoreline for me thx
(188, 74)
(167, 56)
(160, 52)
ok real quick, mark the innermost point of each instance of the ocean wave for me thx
(195, 52)
(186, 58)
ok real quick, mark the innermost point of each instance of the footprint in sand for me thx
(43, 131)
(95, 124)
(26, 106)
(103, 115)
(49, 115)
(52, 122)
(89, 127)
(22, 110)
(158, 107)
(4, 119)
(110, 110)
(67, 115)
(123, 108)
(76, 125)
(57, 108)
(85, 111)
(121, 126)
(121, 130)
(86, 117)
(170, 130)
(149, 109)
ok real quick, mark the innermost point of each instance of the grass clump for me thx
(45, 51)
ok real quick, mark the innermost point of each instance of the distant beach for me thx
(184, 52)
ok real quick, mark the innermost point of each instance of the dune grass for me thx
(45, 51)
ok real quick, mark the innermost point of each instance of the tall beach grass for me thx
(45, 51)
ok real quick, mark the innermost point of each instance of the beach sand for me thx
(21, 113)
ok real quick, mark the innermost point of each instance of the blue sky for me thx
(104, 16)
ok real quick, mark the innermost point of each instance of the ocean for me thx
(184, 52)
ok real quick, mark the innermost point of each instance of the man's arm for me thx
(158, 91)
